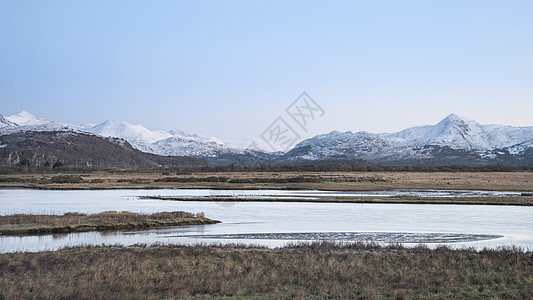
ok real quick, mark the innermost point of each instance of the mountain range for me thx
(453, 140)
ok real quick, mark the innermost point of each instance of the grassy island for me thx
(30, 224)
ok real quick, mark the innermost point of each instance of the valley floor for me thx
(310, 270)
(335, 181)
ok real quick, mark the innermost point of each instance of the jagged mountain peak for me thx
(455, 118)
(453, 131)
(455, 122)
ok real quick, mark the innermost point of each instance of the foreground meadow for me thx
(312, 270)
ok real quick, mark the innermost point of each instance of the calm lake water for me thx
(277, 223)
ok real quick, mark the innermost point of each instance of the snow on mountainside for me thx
(26, 121)
(519, 149)
(338, 144)
(183, 146)
(465, 134)
(134, 134)
(24, 118)
(172, 143)
(193, 136)
(460, 133)
(453, 132)
(6, 123)
(229, 145)
(454, 136)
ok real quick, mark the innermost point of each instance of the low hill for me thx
(38, 148)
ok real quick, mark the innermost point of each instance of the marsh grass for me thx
(20, 224)
(341, 181)
(309, 270)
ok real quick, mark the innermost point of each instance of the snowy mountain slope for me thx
(506, 136)
(519, 149)
(25, 121)
(172, 143)
(453, 131)
(136, 135)
(25, 118)
(184, 146)
(238, 146)
(4, 123)
(452, 139)
(341, 144)
(459, 135)
(250, 144)
(193, 136)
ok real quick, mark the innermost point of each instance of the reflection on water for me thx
(275, 223)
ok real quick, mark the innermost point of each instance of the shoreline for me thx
(524, 199)
(385, 200)
(242, 188)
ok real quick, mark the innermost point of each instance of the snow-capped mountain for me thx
(25, 121)
(25, 118)
(172, 143)
(138, 136)
(337, 144)
(187, 146)
(461, 133)
(453, 136)
(453, 140)
(453, 131)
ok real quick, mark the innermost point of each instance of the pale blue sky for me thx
(229, 68)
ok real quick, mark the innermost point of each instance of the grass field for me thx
(357, 181)
(319, 270)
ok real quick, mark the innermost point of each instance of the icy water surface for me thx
(276, 223)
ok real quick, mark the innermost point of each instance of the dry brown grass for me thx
(21, 224)
(314, 270)
(504, 181)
